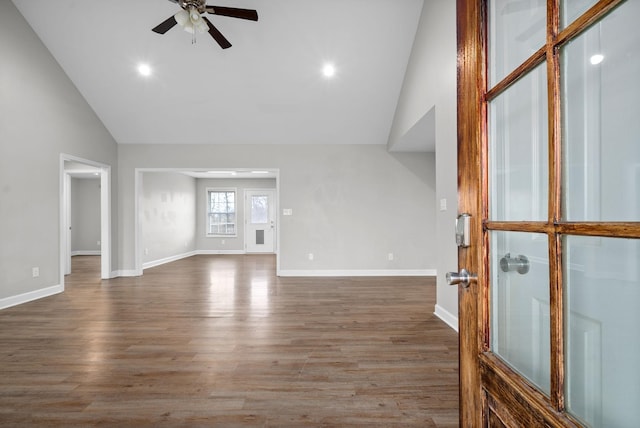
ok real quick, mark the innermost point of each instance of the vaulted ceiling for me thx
(268, 88)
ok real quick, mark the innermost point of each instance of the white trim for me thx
(207, 205)
(276, 249)
(355, 272)
(447, 317)
(86, 253)
(169, 259)
(105, 215)
(105, 222)
(65, 199)
(125, 273)
(215, 252)
(137, 230)
(286, 272)
(177, 257)
(7, 302)
(247, 215)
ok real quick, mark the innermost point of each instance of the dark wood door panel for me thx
(514, 401)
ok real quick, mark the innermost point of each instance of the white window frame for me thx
(208, 213)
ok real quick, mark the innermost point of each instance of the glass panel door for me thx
(602, 282)
(517, 30)
(551, 181)
(602, 180)
(518, 150)
(601, 93)
(260, 230)
(520, 330)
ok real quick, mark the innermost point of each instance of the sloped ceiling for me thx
(266, 89)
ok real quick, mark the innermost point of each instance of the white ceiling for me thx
(266, 89)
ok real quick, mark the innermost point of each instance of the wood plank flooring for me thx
(221, 341)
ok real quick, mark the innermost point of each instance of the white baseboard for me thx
(7, 302)
(355, 272)
(170, 259)
(214, 252)
(86, 253)
(125, 272)
(447, 317)
(154, 263)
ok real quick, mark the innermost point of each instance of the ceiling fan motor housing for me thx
(199, 5)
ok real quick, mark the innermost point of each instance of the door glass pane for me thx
(516, 31)
(602, 283)
(259, 209)
(601, 116)
(572, 9)
(520, 320)
(518, 150)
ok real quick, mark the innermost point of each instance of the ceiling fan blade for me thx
(165, 26)
(234, 12)
(217, 35)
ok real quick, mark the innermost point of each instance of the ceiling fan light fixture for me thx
(191, 18)
(191, 21)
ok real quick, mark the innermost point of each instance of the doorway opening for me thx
(87, 183)
(162, 196)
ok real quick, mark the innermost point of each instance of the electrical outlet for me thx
(390, 256)
(443, 204)
(98, 243)
(35, 272)
(146, 251)
(310, 256)
(224, 242)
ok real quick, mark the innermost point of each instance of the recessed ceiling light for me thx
(329, 70)
(596, 59)
(144, 70)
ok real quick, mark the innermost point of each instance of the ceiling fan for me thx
(191, 19)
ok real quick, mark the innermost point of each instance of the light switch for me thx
(287, 211)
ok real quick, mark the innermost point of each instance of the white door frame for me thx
(247, 214)
(105, 216)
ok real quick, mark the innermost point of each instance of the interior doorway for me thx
(74, 168)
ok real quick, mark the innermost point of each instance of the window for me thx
(221, 212)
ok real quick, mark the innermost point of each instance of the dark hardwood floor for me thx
(221, 341)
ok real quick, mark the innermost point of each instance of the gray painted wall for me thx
(85, 215)
(41, 116)
(430, 84)
(168, 215)
(236, 243)
(352, 204)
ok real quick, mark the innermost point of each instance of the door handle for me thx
(519, 264)
(463, 278)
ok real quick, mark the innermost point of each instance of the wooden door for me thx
(549, 172)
